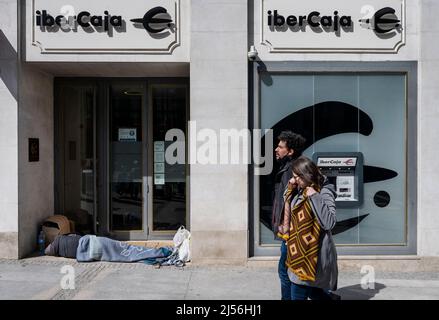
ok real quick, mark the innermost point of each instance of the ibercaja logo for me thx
(154, 21)
(383, 21)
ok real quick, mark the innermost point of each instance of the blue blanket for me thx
(92, 248)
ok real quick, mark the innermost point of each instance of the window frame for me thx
(409, 68)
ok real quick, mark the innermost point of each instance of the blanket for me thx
(93, 248)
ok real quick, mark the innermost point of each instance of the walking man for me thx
(290, 146)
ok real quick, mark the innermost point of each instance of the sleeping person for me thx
(92, 248)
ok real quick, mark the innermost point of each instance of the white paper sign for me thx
(159, 167)
(127, 134)
(159, 156)
(159, 146)
(159, 179)
(333, 26)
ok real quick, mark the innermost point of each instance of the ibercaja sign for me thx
(333, 26)
(99, 26)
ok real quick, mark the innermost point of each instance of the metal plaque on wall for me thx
(34, 150)
(373, 26)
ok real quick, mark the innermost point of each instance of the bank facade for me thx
(98, 96)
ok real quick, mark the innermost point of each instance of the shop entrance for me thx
(111, 173)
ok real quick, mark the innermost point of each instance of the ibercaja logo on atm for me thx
(154, 21)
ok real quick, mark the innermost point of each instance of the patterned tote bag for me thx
(303, 241)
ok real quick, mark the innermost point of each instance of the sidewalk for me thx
(40, 278)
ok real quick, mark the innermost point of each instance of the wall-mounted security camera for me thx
(252, 54)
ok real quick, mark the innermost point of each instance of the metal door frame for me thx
(141, 234)
(164, 83)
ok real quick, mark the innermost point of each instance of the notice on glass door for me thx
(159, 146)
(159, 167)
(159, 178)
(159, 157)
(159, 162)
(127, 134)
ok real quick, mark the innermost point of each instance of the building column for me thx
(218, 98)
(428, 130)
(8, 130)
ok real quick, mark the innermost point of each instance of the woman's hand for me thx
(292, 184)
(310, 191)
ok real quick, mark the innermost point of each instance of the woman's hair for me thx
(307, 171)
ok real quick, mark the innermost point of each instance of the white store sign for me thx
(373, 26)
(83, 26)
(337, 162)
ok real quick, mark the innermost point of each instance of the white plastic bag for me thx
(184, 252)
(182, 244)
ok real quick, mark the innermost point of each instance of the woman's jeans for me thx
(285, 283)
(291, 291)
(299, 292)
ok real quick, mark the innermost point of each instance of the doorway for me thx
(111, 174)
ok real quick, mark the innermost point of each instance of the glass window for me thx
(126, 157)
(169, 180)
(346, 112)
(75, 106)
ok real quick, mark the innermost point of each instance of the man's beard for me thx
(283, 160)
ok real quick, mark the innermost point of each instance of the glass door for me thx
(111, 170)
(127, 161)
(169, 108)
(75, 183)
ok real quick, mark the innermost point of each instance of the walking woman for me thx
(311, 257)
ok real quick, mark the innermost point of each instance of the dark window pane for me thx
(169, 193)
(126, 158)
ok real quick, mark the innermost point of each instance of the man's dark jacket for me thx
(64, 246)
(280, 183)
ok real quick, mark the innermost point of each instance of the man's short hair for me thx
(293, 141)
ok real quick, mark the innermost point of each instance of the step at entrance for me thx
(152, 243)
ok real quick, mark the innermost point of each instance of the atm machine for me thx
(345, 171)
